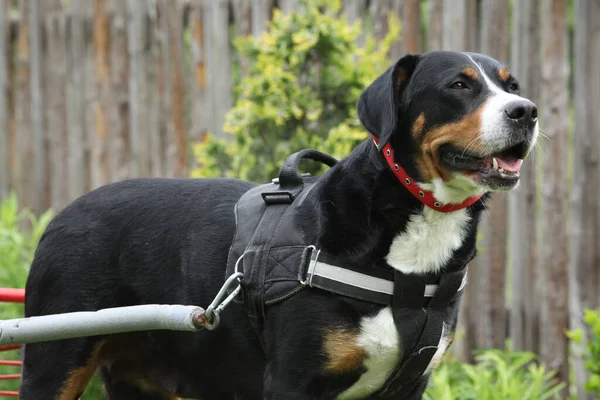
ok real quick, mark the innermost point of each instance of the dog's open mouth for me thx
(495, 168)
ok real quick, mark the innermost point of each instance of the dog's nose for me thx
(522, 111)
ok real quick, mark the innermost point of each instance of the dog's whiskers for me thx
(471, 143)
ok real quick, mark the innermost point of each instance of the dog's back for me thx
(141, 241)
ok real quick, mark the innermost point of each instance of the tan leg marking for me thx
(342, 350)
(80, 377)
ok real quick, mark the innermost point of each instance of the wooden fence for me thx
(98, 91)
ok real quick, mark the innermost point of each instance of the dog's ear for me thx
(379, 104)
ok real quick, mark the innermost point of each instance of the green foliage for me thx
(17, 246)
(306, 75)
(20, 232)
(592, 362)
(496, 375)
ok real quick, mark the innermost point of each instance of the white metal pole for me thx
(110, 320)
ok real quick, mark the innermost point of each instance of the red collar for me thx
(425, 196)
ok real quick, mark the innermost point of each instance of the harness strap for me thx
(256, 258)
(405, 377)
(379, 287)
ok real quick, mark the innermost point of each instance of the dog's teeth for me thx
(500, 170)
(495, 163)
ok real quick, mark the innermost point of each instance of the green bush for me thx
(592, 347)
(301, 91)
(20, 232)
(496, 375)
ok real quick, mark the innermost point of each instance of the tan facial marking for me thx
(342, 350)
(471, 73)
(418, 126)
(79, 378)
(504, 74)
(464, 134)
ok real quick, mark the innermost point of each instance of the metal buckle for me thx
(311, 268)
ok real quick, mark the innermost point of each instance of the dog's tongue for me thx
(510, 164)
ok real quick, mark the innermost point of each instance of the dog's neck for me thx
(359, 209)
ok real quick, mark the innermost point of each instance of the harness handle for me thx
(289, 178)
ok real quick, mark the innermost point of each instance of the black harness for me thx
(277, 262)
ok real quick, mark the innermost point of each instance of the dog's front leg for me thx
(282, 384)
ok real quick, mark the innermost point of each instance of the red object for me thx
(424, 196)
(10, 347)
(12, 363)
(12, 295)
(10, 376)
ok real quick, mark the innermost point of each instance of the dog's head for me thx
(456, 122)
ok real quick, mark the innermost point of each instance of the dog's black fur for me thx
(166, 241)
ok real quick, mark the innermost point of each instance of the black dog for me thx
(451, 126)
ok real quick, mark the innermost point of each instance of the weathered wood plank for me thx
(411, 26)
(380, 11)
(155, 145)
(492, 259)
(23, 174)
(167, 134)
(262, 12)
(78, 168)
(138, 127)
(100, 166)
(524, 316)
(436, 23)
(11, 66)
(242, 20)
(5, 166)
(355, 9)
(198, 81)
(554, 119)
(584, 276)
(178, 101)
(220, 94)
(287, 6)
(459, 21)
(119, 112)
(55, 106)
(454, 25)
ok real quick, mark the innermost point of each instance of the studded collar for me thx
(424, 196)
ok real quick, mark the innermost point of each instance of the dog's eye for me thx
(514, 87)
(459, 85)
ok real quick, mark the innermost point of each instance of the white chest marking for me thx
(426, 245)
(379, 338)
(428, 241)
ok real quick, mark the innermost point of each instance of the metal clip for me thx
(218, 304)
(311, 267)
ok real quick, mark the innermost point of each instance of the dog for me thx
(452, 123)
